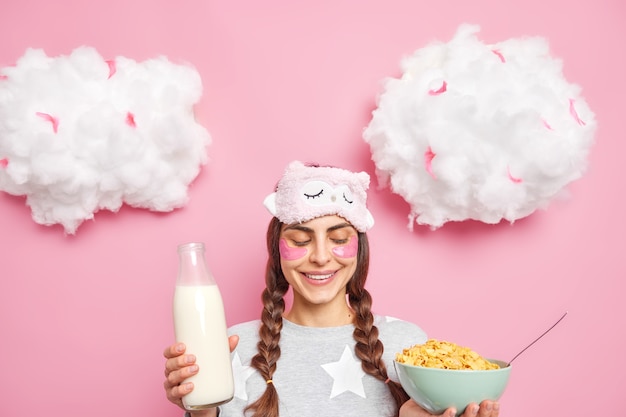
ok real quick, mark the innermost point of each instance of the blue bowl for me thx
(435, 389)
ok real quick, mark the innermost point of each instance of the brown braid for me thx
(264, 361)
(368, 347)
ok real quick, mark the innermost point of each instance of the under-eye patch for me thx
(349, 250)
(290, 253)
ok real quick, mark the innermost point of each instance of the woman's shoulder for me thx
(398, 331)
(245, 328)
(248, 333)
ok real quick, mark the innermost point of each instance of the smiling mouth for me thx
(319, 277)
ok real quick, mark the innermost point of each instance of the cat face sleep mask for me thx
(306, 192)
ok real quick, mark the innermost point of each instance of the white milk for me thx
(200, 324)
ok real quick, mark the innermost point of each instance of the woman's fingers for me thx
(489, 409)
(233, 341)
(179, 366)
(175, 393)
(178, 363)
(174, 350)
(178, 377)
(486, 409)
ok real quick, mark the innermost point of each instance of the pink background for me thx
(84, 319)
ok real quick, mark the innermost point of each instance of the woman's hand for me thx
(180, 366)
(486, 409)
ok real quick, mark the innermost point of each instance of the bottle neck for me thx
(192, 267)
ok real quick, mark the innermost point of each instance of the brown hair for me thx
(368, 347)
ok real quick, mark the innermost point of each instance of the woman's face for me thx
(318, 258)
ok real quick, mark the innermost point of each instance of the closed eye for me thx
(346, 198)
(315, 195)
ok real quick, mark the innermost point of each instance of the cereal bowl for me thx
(436, 389)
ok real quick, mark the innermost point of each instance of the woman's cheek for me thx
(348, 250)
(290, 254)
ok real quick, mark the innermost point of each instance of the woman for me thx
(325, 355)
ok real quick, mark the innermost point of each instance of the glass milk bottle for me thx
(200, 324)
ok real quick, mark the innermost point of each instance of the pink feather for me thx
(51, 119)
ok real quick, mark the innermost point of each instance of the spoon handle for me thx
(542, 335)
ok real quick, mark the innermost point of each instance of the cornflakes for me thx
(444, 355)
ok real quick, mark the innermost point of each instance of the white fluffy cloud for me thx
(476, 131)
(79, 134)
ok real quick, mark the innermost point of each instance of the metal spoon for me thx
(542, 335)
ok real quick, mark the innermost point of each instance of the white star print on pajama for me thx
(241, 374)
(347, 374)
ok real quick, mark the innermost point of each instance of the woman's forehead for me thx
(325, 223)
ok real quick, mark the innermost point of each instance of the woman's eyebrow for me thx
(298, 227)
(309, 230)
(338, 226)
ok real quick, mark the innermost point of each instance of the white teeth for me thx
(319, 277)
